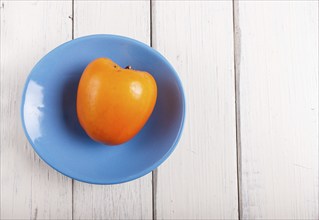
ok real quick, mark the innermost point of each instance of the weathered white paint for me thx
(199, 180)
(29, 188)
(131, 200)
(278, 68)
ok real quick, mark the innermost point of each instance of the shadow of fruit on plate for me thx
(68, 106)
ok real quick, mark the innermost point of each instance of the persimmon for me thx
(114, 103)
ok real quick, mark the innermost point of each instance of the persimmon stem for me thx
(128, 67)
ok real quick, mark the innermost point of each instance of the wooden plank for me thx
(29, 188)
(131, 200)
(199, 180)
(278, 67)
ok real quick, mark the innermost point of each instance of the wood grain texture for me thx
(278, 67)
(29, 188)
(199, 180)
(131, 200)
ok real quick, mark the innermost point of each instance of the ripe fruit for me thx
(113, 104)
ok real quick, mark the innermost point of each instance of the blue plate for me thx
(49, 119)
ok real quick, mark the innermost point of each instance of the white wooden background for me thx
(250, 144)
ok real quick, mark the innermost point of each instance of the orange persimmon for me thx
(113, 104)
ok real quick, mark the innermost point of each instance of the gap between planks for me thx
(72, 206)
(237, 49)
(154, 172)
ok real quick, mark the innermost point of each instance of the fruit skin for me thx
(113, 104)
